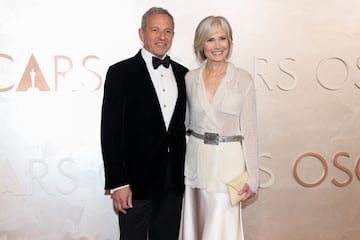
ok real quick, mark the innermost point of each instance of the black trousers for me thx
(152, 219)
(156, 219)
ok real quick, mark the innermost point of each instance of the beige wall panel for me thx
(305, 59)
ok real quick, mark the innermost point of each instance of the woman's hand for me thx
(248, 193)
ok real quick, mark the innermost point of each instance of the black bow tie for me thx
(157, 62)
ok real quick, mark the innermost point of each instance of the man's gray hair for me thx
(154, 11)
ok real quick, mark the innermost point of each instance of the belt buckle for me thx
(211, 138)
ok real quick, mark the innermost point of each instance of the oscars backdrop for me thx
(305, 59)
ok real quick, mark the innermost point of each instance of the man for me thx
(143, 134)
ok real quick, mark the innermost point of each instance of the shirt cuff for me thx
(114, 189)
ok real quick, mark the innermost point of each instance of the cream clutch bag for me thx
(235, 185)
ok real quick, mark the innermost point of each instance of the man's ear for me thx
(141, 34)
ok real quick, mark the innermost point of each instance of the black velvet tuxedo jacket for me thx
(136, 145)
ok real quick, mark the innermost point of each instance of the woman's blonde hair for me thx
(207, 27)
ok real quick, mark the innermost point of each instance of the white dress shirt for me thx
(165, 86)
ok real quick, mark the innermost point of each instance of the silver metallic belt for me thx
(215, 138)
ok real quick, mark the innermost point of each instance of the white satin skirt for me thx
(210, 216)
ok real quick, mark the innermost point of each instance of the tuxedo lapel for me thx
(146, 88)
(180, 101)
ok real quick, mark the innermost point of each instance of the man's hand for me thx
(122, 199)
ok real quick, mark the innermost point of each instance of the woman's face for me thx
(216, 47)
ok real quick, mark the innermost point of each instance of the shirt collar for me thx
(147, 56)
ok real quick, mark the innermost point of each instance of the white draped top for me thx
(232, 111)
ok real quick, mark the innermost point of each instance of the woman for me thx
(221, 100)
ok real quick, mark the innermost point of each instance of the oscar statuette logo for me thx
(32, 79)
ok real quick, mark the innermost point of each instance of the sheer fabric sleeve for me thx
(248, 123)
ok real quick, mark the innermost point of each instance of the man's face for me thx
(158, 34)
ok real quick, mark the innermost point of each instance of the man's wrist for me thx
(115, 189)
